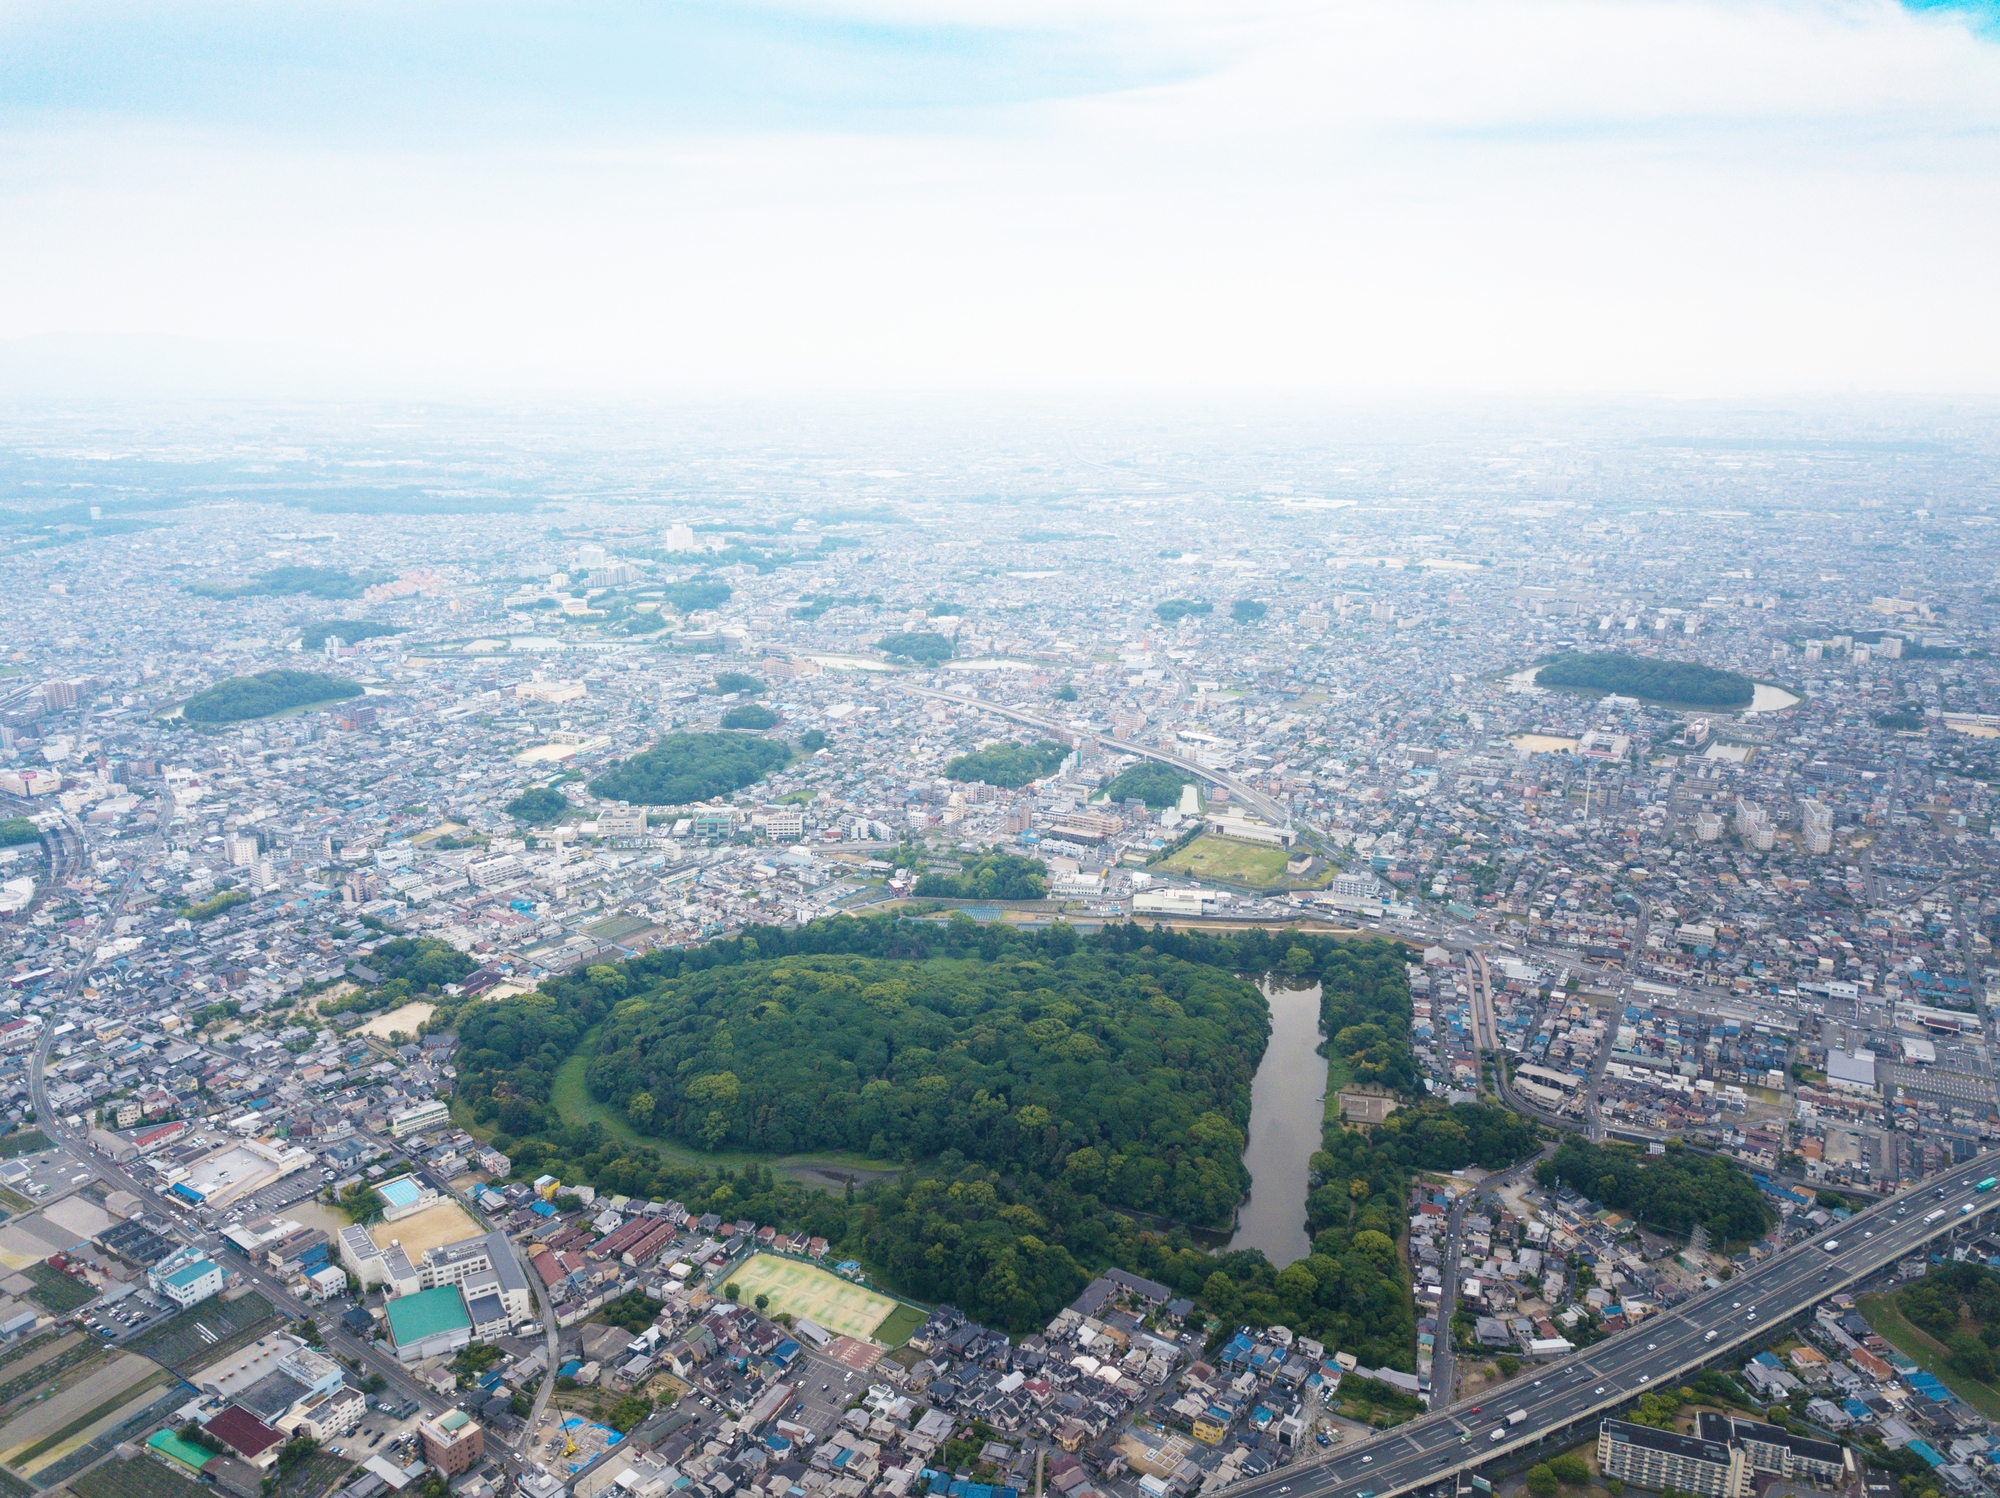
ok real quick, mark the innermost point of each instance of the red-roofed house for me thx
(148, 1140)
(548, 1267)
(246, 1435)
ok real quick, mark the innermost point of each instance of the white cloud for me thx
(1514, 194)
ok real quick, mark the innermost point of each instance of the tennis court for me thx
(839, 1305)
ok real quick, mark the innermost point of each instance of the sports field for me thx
(839, 1305)
(1230, 858)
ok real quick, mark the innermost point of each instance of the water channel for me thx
(1286, 1108)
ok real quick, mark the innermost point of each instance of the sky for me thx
(607, 200)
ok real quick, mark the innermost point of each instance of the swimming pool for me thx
(401, 1192)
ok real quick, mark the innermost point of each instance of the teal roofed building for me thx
(187, 1282)
(429, 1323)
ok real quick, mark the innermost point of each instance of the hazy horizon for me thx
(1676, 198)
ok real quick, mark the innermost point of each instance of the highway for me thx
(1657, 1353)
(64, 846)
(1257, 801)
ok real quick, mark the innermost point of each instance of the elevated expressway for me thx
(1562, 1399)
(1262, 804)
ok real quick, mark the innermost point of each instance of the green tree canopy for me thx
(243, 697)
(1176, 609)
(737, 681)
(1129, 1076)
(686, 767)
(1644, 676)
(1247, 611)
(1670, 1193)
(281, 582)
(998, 876)
(1009, 1245)
(701, 593)
(749, 715)
(1156, 784)
(1008, 765)
(923, 646)
(539, 805)
(1451, 1137)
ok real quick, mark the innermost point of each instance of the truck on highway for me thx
(1935, 1215)
(1988, 1184)
(1832, 1245)
(1517, 1417)
(1500, 1434)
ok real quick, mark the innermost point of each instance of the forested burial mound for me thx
(1643, 676)
(687, 767)
(240, 698)
(1140, 1065)
(1008, 765)
(1038, 1179)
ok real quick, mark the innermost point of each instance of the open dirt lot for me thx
(78, 1215)
(405, 1019)
(29, 1240)
(447, 1222)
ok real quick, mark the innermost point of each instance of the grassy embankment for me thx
(1927, 1352)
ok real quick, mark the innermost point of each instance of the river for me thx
(1286, 1110)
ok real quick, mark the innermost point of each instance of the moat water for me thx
(1287, 1104)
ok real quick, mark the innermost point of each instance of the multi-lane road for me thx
(1655, 1354)
(1262, 804)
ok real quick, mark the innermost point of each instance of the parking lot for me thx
(377, 1433)
(43, 1177)
(130, 1316)
(825, 1389)
(279, 1194)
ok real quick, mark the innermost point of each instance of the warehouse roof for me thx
(415, 1317)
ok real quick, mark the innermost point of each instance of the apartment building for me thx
(1657, 1459)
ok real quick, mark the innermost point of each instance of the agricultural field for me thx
(133, 1419)
(44, 1360)
(316, 1475)
(55, 1291)
(60, 1412)
(838, 1305)
(204, 1333)
(26, 1142)
(1228, 858)
(137, 1477)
